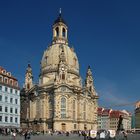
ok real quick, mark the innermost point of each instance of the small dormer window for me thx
(4, 72)
(64, 32)
(57, 31)
(9, 73)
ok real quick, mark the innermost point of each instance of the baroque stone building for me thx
(59, 101)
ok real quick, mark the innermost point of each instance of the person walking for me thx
(125, 135)
(14, 135)
(28, 135)
(25, 135)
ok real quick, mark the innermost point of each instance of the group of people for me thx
(27, 135)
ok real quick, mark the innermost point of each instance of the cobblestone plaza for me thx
(63, 137)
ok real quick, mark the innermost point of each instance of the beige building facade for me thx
(109, 119)
(137, 115)
(60, 101)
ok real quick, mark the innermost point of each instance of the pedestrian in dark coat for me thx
(25, 135)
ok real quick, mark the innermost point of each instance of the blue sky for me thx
(104, 33)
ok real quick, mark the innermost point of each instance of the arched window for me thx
(11, 82)
(57, 31)
(64, 32)
(73, 106)
(63, 76)
(50, 108)
(46, 59)
(90, 88)
(1, 78)
(74, 59)
(84, 111)
(63, 107)
(28, 86)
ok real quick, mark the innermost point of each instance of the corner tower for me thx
(28, 78)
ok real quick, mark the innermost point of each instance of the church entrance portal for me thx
(63, 126)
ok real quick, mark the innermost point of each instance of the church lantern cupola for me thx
(60, 30)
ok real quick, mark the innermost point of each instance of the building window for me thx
(75, 61)
(11, 119)
(0, 108)
(46, 59)
(6, 99)
(6, 89)
(50, 108)
(6, 80)
(63, 107)
(11, 82)
(11, 110)
(6, 109)
(74, 126)
(15, 91)
(0, 88)
(63, 76)
(28, 86)
(73, 106)
(57, 31)
(11, 100)
(0, 118)
(1, 78)
(85, 126)
(64, 32)
(11, 90)
(0, 97)
(84, 111)
(15, 120)
(9, 73)
(16, 111)
(16, 101)
(16, 84)
(4, 72)
(6, 119)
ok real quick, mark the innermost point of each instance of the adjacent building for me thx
(9, 100)
(137, 115)
(108, 119)
(60, 101)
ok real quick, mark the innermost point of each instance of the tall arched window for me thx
(50, 108)
(84, 111)
(63, 107)
(64, 32)
(28, 86)
(57, 31)
(73, 106)
(63, 76)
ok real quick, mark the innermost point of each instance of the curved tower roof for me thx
(51, 57)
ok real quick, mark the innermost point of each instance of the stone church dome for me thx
(51, 57)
